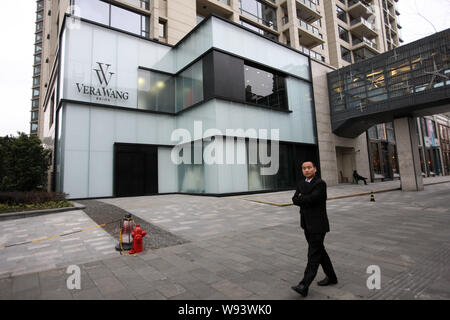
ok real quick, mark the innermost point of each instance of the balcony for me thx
(312, 54)
(221, 8)
(308, 10)
(364, 42)
(357, 8)
(309, 35)
(363, 28)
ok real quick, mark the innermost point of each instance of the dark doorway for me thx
(135, 170)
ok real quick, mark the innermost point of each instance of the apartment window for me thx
(263, 13)
(113, 16)
(35, 104)
(34, 127)
(143, 4)
(343, 34)
(38, 37)
(341, 14)
(34, 115)
(37, 48)
(162, 29)
(265, 33)
(342, 1)
(265, 88)
(36, 81)
(36, 92)
(37, 58)
(40, 5)
(37, 70)
(39, 16)
(39, 26)
(346, 54)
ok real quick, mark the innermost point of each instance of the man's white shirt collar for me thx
(309, 180)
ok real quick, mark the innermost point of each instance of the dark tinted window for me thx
(264, 88)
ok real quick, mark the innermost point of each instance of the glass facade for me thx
(263, 13)
(265, 88)
(391, 75)
(113, 16)
(189, 86)
(156, 91)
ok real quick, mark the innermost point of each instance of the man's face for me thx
(309, 171)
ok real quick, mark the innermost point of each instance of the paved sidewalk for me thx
(340, 191)
(42, 251)
(405, 233)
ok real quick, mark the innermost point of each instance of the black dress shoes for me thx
(301, 289)
(327, 281)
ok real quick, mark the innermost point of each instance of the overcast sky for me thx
(419, 18)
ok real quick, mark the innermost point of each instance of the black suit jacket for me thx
(312, 203)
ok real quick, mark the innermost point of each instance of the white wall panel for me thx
(101, 174)
(167, 172)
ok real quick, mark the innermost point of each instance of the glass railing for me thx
(270, 24)
(227, 2)
(351, 3)
(312, 53)
(365, 40)
(144, 4)
(310, 28)
(364, 22)
(309, 3)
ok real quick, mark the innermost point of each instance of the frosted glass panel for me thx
(194, 46)
(189, 86)
(300, 102)
(156, 91)
(246, 44)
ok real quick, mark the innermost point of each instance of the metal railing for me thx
(368, 7)
(364, 22)
(270, 24)
(365, 40)
(309, 3)
(312, 53)
(310, 28)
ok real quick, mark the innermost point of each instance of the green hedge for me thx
(33, 200)
(5, 208)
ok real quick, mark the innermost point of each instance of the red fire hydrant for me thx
(138, 235)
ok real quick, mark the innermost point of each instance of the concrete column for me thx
(408, 154)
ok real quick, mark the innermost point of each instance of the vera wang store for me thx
(125, 102)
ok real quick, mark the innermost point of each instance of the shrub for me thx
(23, 163)
(32, 197)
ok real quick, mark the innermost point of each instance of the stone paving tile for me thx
(264, 262)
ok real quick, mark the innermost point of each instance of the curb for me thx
(36, 213)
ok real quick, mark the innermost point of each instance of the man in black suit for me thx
(311, 197)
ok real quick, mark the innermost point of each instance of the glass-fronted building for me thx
(123, 105)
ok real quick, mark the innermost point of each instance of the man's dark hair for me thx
(314, 165)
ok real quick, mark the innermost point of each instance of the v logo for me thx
(102, 73)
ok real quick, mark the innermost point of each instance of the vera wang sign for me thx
(102, 92)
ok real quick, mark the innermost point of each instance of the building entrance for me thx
(135, 170)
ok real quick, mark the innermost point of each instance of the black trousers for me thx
(317, 255)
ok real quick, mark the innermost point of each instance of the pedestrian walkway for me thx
(51, 241)
(339, 191)
(406, 234)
